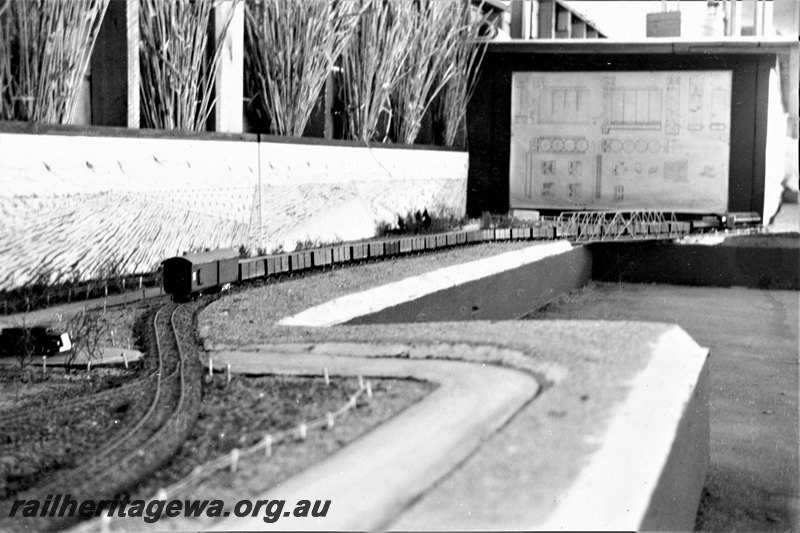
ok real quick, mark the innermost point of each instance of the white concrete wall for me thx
(69, 204)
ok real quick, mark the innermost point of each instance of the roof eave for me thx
(744, 45)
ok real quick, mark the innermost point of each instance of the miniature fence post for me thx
(140, 282)
(104, 306)
(105, 523)
(369, 389)
(88, 366)
(210, 368)
(234, 459)
(329, 419)
(229, 373)
(125, 359)
(327, 377)
(302, 431)
(44, 364)
(267, 445)
(360, 382)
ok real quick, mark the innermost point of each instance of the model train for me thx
(195, 273)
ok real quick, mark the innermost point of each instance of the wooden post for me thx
(329, 97)
(115, 67)
(105, 523)
(267, 445)
(547, 19)
(229, 85)
(234, 459)
(748, 17)
(517, 17)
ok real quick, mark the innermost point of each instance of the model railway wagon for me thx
(195, 273)
(200, 272)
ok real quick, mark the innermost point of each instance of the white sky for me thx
(626, 19)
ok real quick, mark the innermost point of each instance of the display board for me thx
(621, 140)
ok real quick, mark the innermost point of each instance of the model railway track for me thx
(66, 410)
(168, 414)
(21, 424)
(194, 273)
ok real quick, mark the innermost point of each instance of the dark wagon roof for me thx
(206, 257)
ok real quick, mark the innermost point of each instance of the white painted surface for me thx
(72, 204)
(229, 83)
(638, 442)
(348, 307)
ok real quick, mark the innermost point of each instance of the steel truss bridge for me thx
(610, 226)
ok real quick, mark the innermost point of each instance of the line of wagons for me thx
(195, 273)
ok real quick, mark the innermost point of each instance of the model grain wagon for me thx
(192, 274)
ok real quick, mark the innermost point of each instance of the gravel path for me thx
(239, 317)
(375, 477)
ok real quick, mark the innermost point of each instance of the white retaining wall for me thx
(83, 205)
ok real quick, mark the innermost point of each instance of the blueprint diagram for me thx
(620, 140)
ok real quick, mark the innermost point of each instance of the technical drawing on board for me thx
(620, 140)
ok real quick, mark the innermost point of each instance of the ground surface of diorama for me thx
(507, 468)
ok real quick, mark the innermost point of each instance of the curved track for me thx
(19, 422)
(169, 408)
